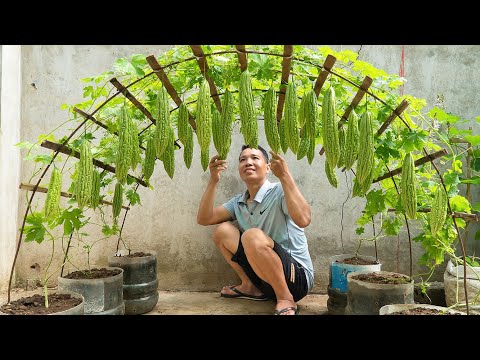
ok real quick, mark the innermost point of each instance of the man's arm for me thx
(298, 207)
(207, 214)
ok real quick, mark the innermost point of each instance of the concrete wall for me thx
(10, 122)
(166, 221)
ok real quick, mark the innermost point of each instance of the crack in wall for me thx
(358, 52)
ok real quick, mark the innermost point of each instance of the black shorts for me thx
(297, 282)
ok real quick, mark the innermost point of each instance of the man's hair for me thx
(264, 152)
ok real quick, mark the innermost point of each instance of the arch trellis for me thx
(324, 71)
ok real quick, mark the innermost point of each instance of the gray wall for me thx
(9, 157)
(166, 221)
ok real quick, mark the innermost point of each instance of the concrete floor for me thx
(207, 303)
(210, 303)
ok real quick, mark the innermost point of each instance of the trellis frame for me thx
(200, 57)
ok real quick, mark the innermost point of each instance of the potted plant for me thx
(369, 291)
(417, 309)
(57, 302)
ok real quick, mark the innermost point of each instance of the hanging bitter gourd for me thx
(311, 151)
(117, 201)
(52, 202)
(168, 156)
(301, 112)
(331, 175)
(182, 123)
(290, 118)
(95, 190)
(85, 175)
(162, 121)
(304, 146)
(271, 124)
(248, 120)
(226, 121)
(310, 114)
(330, 128)
(124, 149)
(204, 158)
(351, 140)
(360, 189)
(438, 212)
(366, 155)
(136, 157)
(188, 148)
(282, 135)
(204, 116)
(150, 157)
(341, 144)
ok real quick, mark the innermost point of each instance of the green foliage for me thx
(71, 220)
(428, 129)
(133, 197)
(35, 229)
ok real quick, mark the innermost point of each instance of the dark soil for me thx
(92, 274)
(139, 254)
(35, 305)
(377, 278)
(422, 311)
(357, 261)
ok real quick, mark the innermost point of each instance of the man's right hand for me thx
(216, 166)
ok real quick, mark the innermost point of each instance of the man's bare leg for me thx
(267, 265)
(226, 238)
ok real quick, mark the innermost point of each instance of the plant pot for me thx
(453, 284)
(29, 308)
(103, 296)
(435, 295)
(338, 286)
(366, 298)
(394, 308)
(140, 284)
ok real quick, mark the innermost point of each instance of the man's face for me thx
(252, 165)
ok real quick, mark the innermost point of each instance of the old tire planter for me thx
(338, 286)
(102, 296)
(140, 283)
(365, 298)
(393, 308)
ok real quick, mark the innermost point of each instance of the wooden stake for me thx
(202, 63)
(423, 160)
(242, 57)
(356, 100)
(30, 187)
(152, 61)
(327, 66)
(400, 108)
(287, 53)
(66, 150)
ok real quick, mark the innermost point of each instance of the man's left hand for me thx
(278, 165)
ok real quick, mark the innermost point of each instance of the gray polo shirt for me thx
(268, 212)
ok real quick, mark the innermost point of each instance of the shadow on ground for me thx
(207, 303)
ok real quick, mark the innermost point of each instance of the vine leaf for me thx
(35, 231)
(71, 220)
